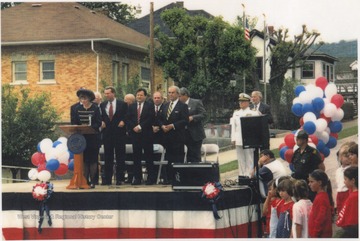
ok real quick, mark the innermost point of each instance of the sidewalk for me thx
(330, 161)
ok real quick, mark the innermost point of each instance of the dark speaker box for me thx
(193, 176)
(253, 130)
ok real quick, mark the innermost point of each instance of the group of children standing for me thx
(291, 214)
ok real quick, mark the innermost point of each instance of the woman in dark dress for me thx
(88, 114)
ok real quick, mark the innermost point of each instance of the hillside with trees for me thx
(340, 49)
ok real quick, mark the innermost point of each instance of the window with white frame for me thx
(19, 71)
(115, 73)
(125, 73)
(47, 70)
(259, 68)
(308, 70)
(145, 78)
(328, 71)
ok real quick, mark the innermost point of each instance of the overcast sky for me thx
(335, 19)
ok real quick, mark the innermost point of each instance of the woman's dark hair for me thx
(320, 175)
(286, 186)
(276, 184)
(352, 173)
(354, 149)
(301, 190)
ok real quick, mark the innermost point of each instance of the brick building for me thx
(60, 47)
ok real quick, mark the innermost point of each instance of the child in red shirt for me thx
(347, 219)
(285, 190)
(320, 218)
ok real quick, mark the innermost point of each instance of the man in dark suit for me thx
(173, 120)
(158, 107)
(263, 109)
(139, 120)
(113, 113)
(194, 134)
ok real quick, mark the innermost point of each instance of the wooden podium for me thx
(78, 180)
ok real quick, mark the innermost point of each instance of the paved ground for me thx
(330, 161)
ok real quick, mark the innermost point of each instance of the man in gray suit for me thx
(195, 133)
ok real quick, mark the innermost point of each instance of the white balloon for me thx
(327, 130)
(318, 92)
(330, 90)
(324, 136)
(45, 145)
(50, 154)
(59, 149)
(309, 116)
(33, 174)
(44, 175)
(320, 124)
(63, 140)
(296, 100)
(339, 115)
(305, 97)
(64, 157)
(309, 87)
(330, 110)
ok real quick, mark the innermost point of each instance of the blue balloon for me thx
(307, 108)
(38, 147)
(71, 165)
(320, 146)
(299, 89)
(317, 114)
(71, 155)
(282, 152)
(52, 165)
(56, 143)
(309, 127)
(318, 104)
(335, 126)
(326, 151)
(332, 142)
(297, 109)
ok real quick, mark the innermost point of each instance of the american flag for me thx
(247, 30)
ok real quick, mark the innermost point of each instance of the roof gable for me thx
(63, 21)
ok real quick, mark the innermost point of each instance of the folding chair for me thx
(159, 149)
(211, 152)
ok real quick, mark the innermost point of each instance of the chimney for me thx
(180, 4)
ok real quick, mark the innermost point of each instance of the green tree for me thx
(203, 55)
(286, 55)
(122, 13)
(25, 122)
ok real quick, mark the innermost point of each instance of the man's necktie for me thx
(169, 110)
(111, 111)
(138, 113)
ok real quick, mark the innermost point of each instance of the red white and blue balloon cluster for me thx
(319, 107)
(51, 157)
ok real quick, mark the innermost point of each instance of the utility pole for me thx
(264, 61)
(152, 62)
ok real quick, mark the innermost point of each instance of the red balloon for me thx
(37, 158)
(325, 118)
(62, 170)
(288, 155)
(334, 135)
(289, 140)
(321, 82)
(337, 100)
(41, 167)
(301, 121)
(282, 145)
(314, 139)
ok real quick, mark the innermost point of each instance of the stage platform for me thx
(113, 212)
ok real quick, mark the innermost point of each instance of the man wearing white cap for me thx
(245, 156)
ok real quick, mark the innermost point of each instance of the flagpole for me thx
(264, 60)
(244, 26)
